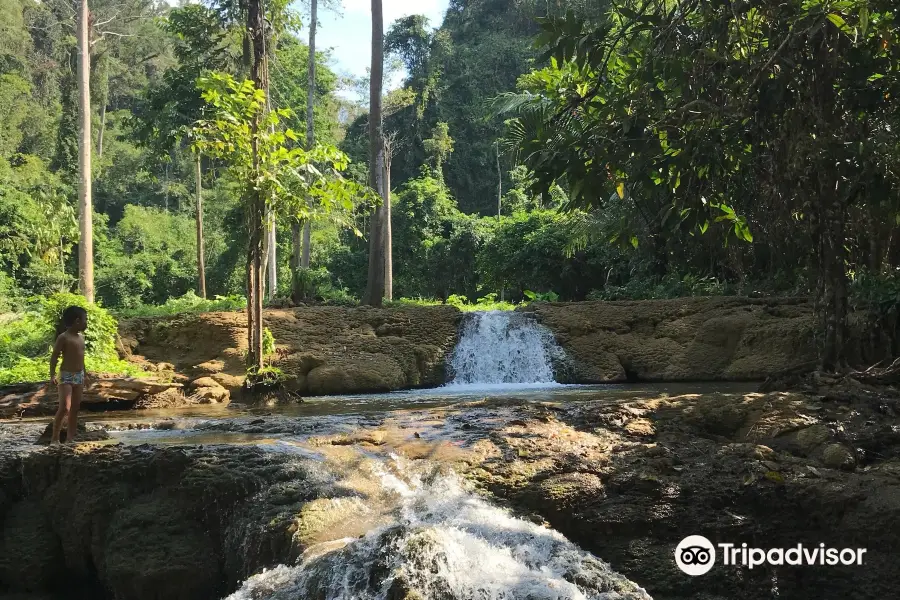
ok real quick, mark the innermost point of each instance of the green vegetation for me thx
(189, 303)
(538, 151)
(26, 340)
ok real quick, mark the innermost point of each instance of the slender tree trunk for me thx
(296, 233)
(832, 261)
(271, 256)
(102, 127)
(375, 281)
(388, 237)
(85, 212)
(499, 183)
(310, 113)
(201, 262)
(257, 200)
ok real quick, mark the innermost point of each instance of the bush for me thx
(189, 303)
(26, 341)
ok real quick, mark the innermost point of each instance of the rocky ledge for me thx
(628, 481)
(323, 350)
(686, 339)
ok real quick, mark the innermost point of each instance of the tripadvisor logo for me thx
(696, 555)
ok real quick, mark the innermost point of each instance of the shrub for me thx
(27, 340)
(189, 303)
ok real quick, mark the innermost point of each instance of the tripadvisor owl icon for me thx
(695, 555)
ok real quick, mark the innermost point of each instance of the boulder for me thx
(84, 435)
(212, 395)
(362, 374)
(838, 456)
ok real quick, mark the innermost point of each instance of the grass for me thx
(488, 302)
(189, 303)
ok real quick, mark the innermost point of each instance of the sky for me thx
(349, 35)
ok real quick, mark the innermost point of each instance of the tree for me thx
(388, 232)
(310, 105)
(785, 108)
(274, 172)
(85, 207)
(375, 281)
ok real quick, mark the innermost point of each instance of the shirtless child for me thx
(69, 343)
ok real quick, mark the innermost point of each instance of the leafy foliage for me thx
(189, 303)
(27, 340)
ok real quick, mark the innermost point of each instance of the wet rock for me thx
(30, 554)
(804, 442)
(212, 395)
(838, 456)
(84, 435)
(144, 522)
(154, 550)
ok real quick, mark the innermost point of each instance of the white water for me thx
(446, 545)
(502, 348)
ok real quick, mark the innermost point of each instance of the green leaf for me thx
(620, 189)
(704, 227)
(839, 22)
(634, 241)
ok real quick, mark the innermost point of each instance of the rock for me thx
(212, 395)
(810, 438)
(205, 382)
(763, 453)
(681, 339)
(84, 435)
(345, 342)
(30, 553)
(232, 383)
(376, 374)
(211, 366)
(571, 489)
(155, 550)
(838, 456)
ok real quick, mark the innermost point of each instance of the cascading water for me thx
(447, 544)
(503, 348)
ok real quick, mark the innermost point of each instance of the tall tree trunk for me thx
(296, 232)
(833, 271)
(257, 200)
(201, 262)
(271, 256)
(499, 182)
(102, 128)
(375, 281)
(85, 208)
(310, 113)
(388, 236)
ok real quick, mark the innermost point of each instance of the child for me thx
(69, 343)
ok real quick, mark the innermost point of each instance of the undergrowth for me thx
(27, 337)
(488, 302)
(189, 303)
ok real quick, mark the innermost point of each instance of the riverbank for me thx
(625, 475)
(335, 350)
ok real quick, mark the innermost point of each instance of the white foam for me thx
(447, 543)
(501, 348)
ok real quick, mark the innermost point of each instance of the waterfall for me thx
(503, 348)
(446, 544)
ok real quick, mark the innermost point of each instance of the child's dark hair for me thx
(69, 316)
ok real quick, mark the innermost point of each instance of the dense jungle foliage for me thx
(572, 150)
